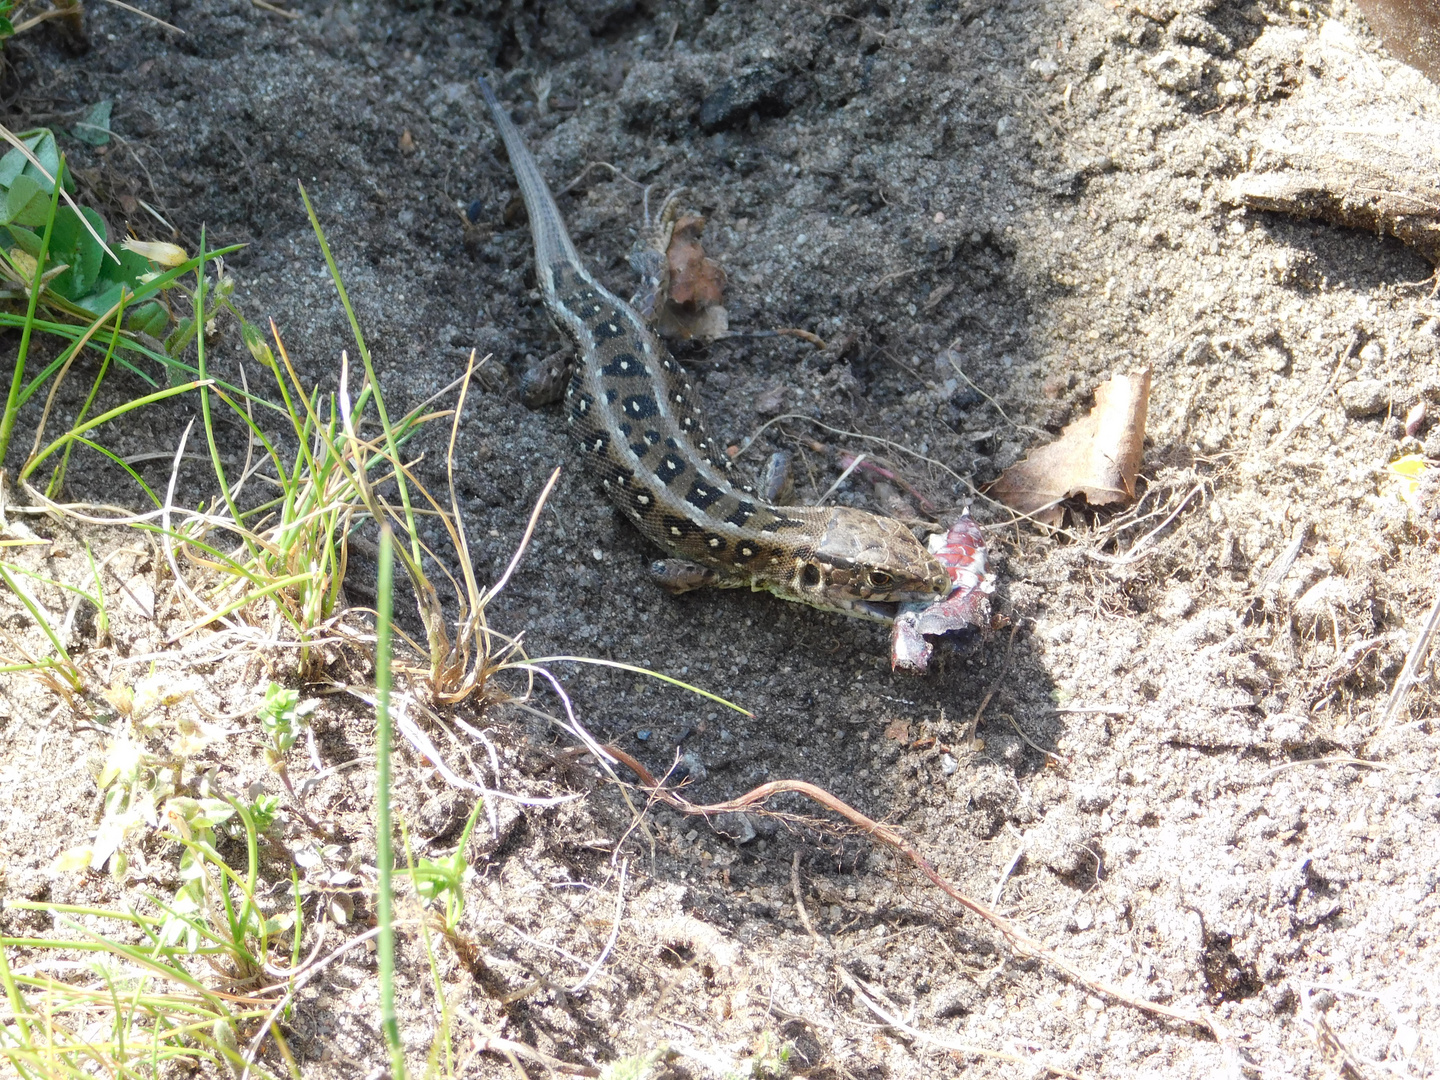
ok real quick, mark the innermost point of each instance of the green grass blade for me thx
(40, 616)
(372, 383)
(36, 576)
(641, 671)
(58, 479)
(105, 418)
(384, 853)
(118, 460)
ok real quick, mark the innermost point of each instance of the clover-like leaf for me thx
(27, 202)
(95, 127)
(71, 243)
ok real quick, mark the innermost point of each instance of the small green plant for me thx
(770, 1061)
(191, 916)
(283, 717)
(135, 782)
(94, 127)
(158, 991)
(444, 879)
(265, 810)
(640, 1067)
(60, 277)
(84, 275)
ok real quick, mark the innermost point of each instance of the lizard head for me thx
(863, 564)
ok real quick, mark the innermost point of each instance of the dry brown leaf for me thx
(1097, 456)
(695, 281)
(694, 304)
(1409, 28)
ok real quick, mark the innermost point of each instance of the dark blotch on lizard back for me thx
(702, 495)
(743, 513)
(679, 527)
(640, 406)
(624, 366)
(669, 468)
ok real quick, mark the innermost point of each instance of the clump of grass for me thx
(140, 1008)
(267, 571)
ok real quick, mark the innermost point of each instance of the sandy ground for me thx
(1184, 784)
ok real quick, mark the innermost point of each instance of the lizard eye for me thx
(879, 579)
(810, 576)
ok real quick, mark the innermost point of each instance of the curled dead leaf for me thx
(694, 302)
(695, 280)
(1097, 457)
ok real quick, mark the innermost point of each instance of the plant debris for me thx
(695, 289)
(1096, 457)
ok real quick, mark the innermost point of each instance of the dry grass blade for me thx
(145, 15)
(499, 586)
(511, 1050)
(1410, 673)
(1143, 546)
(59, 379)
(614, 933)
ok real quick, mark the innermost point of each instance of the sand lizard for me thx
(632, 411)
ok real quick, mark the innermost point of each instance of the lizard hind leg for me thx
(544, 381)
(678, 576)
(776, 483)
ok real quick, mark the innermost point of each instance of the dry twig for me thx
(510, 1049)
(1018, 939)
(1410, 673)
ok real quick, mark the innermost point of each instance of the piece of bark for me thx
(1354, 194)
(1354, 145)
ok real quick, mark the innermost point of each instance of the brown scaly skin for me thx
(632, 413)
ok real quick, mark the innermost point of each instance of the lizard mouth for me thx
(875, 610)
(883, 610)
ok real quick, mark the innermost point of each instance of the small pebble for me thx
(1045, 68)
(1364, 397)
(735, 826)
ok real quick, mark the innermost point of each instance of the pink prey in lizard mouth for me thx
(962, 552)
